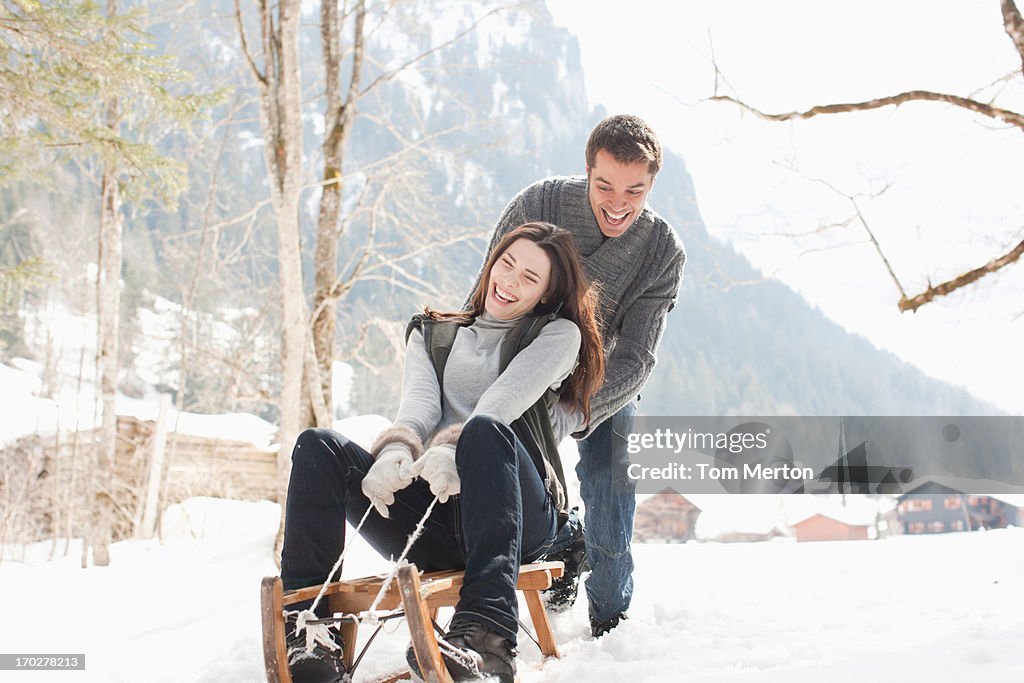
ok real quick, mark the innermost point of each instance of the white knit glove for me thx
(389, 473)
(437, 467)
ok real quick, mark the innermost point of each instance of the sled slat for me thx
(424, 644)
(275, 651)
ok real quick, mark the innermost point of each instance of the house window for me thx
(919, 504)
(915, 527)
(953, 502)
(936, 526)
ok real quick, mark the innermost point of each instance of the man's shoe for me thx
(599, 628)
(323, 664)
(562, 594)
(472, 651)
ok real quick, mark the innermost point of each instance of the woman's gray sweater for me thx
(472, 384)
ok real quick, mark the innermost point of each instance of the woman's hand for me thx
(389, 473)
(437, 467)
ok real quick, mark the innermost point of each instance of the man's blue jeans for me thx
(503, 517)
(609, 496)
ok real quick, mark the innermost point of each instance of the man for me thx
(637, 260)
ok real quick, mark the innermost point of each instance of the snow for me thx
(363, 429)
(20, 416)
(944, 607)
(228, 427)
(341, 386)
(185, 607)
(500, 101)
(248, 140)
(26, 413)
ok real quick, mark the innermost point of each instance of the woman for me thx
(473, 424)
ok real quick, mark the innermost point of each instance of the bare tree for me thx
(280, 98)
(338, 118)
(108, 308)
(341, 107)
(1013, 24)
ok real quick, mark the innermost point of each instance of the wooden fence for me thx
(43, 478)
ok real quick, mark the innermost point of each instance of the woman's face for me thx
(518, 280)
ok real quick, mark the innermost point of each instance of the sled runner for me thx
(418, 596)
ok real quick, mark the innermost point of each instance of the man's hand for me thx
(437, 468)
(389, 473)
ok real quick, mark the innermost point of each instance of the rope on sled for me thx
(337, 565)
(369, 615)
(320, 633)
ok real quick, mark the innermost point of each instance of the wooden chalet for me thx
(934, 508)
(666, 517)
(821, 527)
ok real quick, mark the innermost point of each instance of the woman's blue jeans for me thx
(502, 518)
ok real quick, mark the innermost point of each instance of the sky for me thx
(952, 180)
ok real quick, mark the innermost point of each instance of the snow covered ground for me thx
(942, 608)
(186, 609)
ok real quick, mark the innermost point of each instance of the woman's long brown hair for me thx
(569, 294)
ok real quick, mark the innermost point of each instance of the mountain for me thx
(459, 134)
(506, 105)
(729, 348)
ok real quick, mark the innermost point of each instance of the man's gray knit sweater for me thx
(638, 274)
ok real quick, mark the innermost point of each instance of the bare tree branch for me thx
(915, 302)
(391, 280)
(1014, 25)
(1001, 81)
(867, 228)
(357, 347)
(220, 225)
(245, 46)
(878, 248)
(388, 75)
(14, 218)
(358, 50)
(1011, 117)
(314, 384)
(341, 284)
(823, 228)
(408, 145)
(390, 332)
(434, 244)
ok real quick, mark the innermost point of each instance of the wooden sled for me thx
(419, 595)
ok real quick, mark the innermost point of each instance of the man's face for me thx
(617, 192)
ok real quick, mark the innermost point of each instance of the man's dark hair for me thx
(628, 139)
